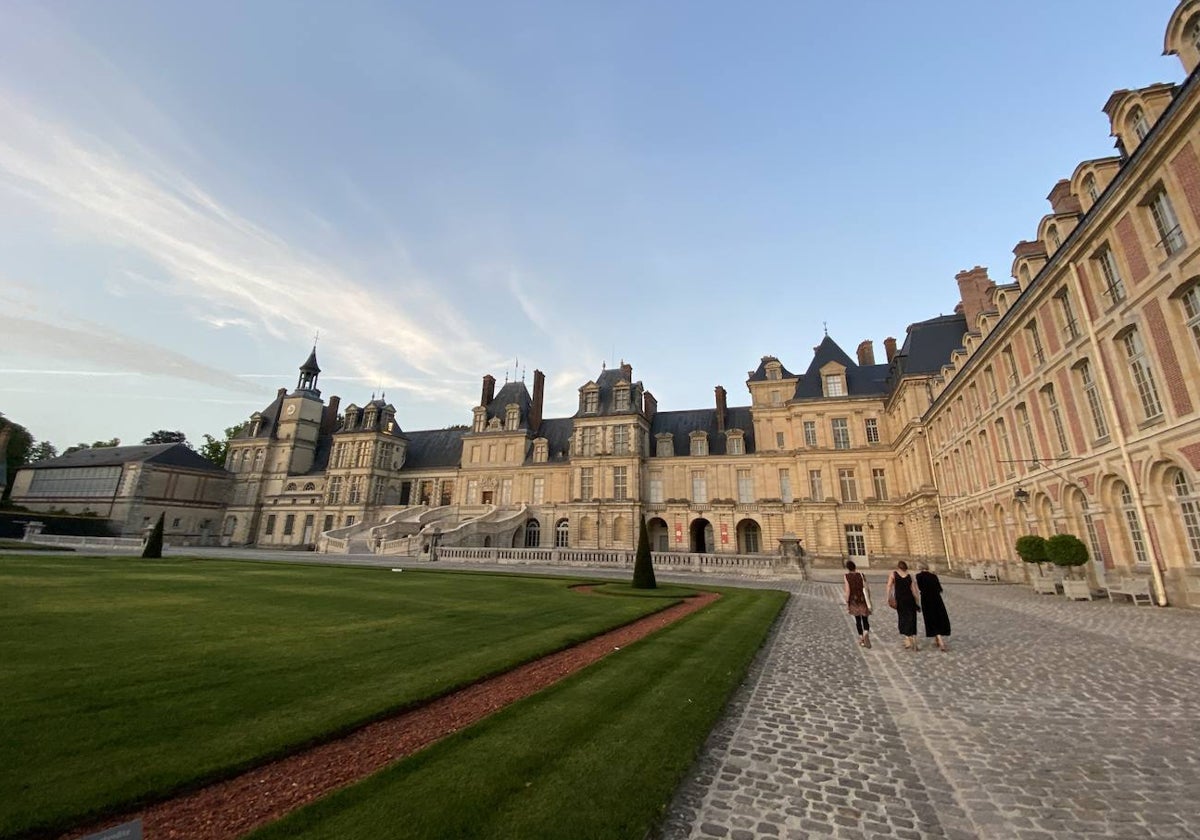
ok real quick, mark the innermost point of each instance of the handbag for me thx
(892, 592)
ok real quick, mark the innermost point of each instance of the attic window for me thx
(735, 444)
(664, 445)
(591, 402)
(1193, 33)
(835, 385)
(512, 417)
(622, 398)
(1089, 187)
(1052, 237)
(1138, 123)
(774, 370)
(699, 443)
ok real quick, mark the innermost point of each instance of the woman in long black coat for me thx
(902, 596)
(937, 620)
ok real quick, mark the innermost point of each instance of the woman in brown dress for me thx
(858, 603)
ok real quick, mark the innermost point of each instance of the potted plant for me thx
(1068, 551)
(1031, 548)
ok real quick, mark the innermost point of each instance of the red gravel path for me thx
(232, 808)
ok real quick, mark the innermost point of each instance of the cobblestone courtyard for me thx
(1047, 719)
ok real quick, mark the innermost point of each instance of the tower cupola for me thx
(309, 371)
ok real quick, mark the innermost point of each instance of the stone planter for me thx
(1077, 590)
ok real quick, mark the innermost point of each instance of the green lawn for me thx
(595, 756)
(125, 679)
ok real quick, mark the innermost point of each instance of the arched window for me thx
(1052, 237)
(290, 487)
(259, 455)
(1023, 275)
(1136, 539)
(749, 537)
(1138, 123)
(533, 534)
(308, 485)
(1089, 187)
(1189, 511)
(1193, 33)
(562, 534)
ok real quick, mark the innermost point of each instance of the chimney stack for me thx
(649, 406)
(889, 347)
(627, 370)
(489, 390)
(329, 417)
(721, 409)
(535, 409)
(866, 353)
(975, 286)
(1062, 200)
(282, 392)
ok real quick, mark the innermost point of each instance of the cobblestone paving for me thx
(1047, 719)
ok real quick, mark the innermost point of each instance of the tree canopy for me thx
(164, 436)
(216, 450)
(100, 444)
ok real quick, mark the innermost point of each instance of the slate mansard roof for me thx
(162, 454)
(861, 381)
(606, 384)
(929, 345)
(681, 424)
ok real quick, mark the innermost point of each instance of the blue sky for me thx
(190, 191)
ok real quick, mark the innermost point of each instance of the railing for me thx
(739, 564)
(85, 542)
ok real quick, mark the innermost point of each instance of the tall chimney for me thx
(489, 390)
(535, 410)
(329, 417)
(649, 406)
(627, 370)
(974, 286)
(282, 392)
(721, 410)
(866, 353)
(889, 347)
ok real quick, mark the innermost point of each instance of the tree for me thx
(643, 567)
(43, 450)
(1066, 551)
(1032, 549)
(217, 450)
(163, 436)
(154, 545)
(100, 444)
(15, 443)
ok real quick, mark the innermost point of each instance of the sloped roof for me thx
(434, 448)
(165, 454)
(681, 424)
(512, 392)
(557, 432)
(929, 345)
(760, 373)
(865, 381)
(607, 382)
(270, 416)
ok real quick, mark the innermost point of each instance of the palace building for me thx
(1063, 400)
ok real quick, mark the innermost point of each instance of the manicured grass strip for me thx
(125, 680)
(596, 756)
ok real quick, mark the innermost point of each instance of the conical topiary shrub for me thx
(154, 544)
(643, 568)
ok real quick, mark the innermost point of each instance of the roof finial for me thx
(825, 324)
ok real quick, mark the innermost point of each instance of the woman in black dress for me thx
(933, 609)
(902, 592)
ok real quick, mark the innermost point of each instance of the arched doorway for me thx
(533, 534)
(749, 537)
(660, 535)
(701, 532)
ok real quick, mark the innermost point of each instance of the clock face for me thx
(291, 409)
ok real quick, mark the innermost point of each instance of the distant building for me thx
(131, 486)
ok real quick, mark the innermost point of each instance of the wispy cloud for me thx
(222, 260)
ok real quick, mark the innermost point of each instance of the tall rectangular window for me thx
(620, 487)
(621, 440)
(776, 398)
(270, 529)
(779, 440)
(539, 490)
(591, 402)
(872, 429)
(989, 379)
(1060, 432)
(785, 486)
(847, 484)
(506, 491)
(1165, 223)
(354, 495)
(586, 488)
(1191, 309)
(699, 487)
(289, 524)
(1067, 311)
(1027, 430)
(622, 399)
(1010, 363)
(810, 433)
(335, 490)
(1143, 376)
(1136, 539)
(473, 492)
(814, 486)
(1092, 395)
(656, 488)
(745, 485)
(1114, 286)
(841, 433)
(1005, 446)
(879, 479)
(589, 442)
(1035, 341)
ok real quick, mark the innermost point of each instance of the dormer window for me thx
(541, 451)
(735, 443)
(1089, 187)
(1193, 34)
(1052, 238)
(774, 370)
(1138, 123)
(835, 385)
(512, 417)
(591, 401)
(621, 397)
(664, 446)
(255, 424)
(699, 443)
(1023, 275)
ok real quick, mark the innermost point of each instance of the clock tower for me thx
(300, 418)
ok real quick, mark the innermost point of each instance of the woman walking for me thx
(933, 608)
(858, 603)
(903, 597)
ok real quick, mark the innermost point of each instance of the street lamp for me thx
(1021, 495)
